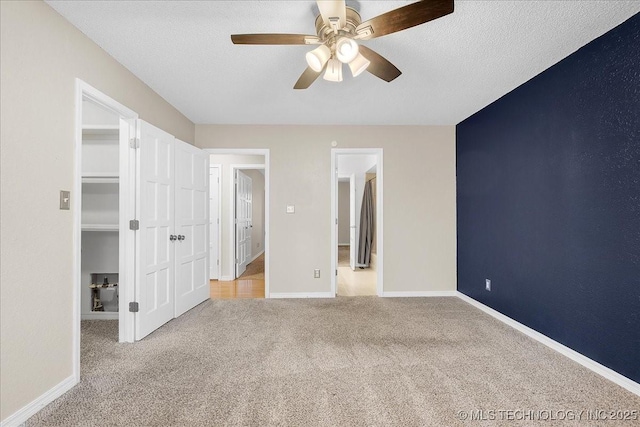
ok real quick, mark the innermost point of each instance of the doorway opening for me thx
(102, 204)
(356, 206)
(241, 229)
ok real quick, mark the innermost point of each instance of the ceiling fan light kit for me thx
(338, 27)
(318, 57)
(359, 65)
(334, 71)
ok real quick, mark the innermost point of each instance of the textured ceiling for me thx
(452, 67)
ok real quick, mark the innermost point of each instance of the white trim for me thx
(303, 295)
(588, 363)
(378, 152)
(411, 294)
(22, 415)
(267, 174)
(226, 278)
(256, 257)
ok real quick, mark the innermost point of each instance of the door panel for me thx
(243, 221)
(192, 222)
(155, 212)
(353, 241)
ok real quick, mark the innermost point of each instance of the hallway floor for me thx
(249, 285)
(360, 282)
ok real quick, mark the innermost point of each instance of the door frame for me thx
(126, 211)
(266, 166)
(219, 226)
(378, 152)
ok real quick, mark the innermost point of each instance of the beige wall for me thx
(226, 203)
(257, 206)
(41, 54)
(343, 213)
(419, 200)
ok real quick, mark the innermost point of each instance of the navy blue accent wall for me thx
(548, 195)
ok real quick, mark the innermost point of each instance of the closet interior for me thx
(100, 212)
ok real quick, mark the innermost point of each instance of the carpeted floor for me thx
(339, 362)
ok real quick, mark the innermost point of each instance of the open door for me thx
(214, 222)
(353, 241)
(243, 221)
(155, 262)
(172, 244)
(192, 226)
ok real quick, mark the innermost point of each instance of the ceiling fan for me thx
(339, 29)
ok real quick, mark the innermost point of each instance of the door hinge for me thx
(134, 307)
(134, 143)
(218, 221)
(237, 260)
(217, 262)
(134, 224)
(336, 221)
(336, 271)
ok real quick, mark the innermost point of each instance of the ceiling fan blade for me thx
(331, 9)
(403, 17)
(307, 78)
(274, 39)
(379, 66)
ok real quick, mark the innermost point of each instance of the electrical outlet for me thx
(316, 273)
(487, 284)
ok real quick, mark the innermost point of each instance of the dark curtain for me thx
(367, 226)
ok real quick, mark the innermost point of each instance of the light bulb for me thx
(346, 50)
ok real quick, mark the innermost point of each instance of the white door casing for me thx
(243, 221)
(214, 222)
(353, 232)
(155, 253)
(192, 226)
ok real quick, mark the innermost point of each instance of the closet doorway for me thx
(356, 207)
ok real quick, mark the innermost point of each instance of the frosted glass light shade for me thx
(346, 50)
(334, 71)
(318, 57)
(358, 65)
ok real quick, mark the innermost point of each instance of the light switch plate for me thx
(65, 200)
(291, 209)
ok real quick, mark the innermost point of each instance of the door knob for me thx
(173, 237)
(181, 237)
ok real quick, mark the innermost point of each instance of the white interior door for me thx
(154, 250)
(192, 226)
(243, 214)
(353, 241)
(214, 222)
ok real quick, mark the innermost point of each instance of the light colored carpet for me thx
(350, 362)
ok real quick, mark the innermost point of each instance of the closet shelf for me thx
(100, 129)
(100, 179)
(100, 227)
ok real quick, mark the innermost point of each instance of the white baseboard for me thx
(407, 294)
(344, 244)
(104, 315)
(256, 257)
(226, 278)
(301, 295)
(22, 415)
(591, 364)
